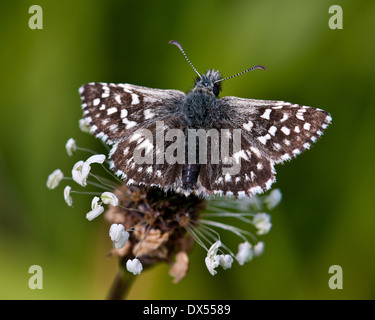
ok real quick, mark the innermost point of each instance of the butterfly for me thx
(146, 127)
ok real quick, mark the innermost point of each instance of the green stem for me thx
(121, 285)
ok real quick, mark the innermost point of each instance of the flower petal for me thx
(84, 125)
(225, 261)
(134, 266)
(245, 253)
(262, 221)
(67, 197)
(95, 213)
(259, 248)
(97, 158)
(213, 249)
(212, 260)
(77, 174)
(70, 147)
(109, 198)
(118, 235)
(54, 179)
(273, 199)
(97, 209)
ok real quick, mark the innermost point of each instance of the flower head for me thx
(54, 179)
(150, 225)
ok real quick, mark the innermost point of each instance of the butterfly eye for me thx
(216, 89)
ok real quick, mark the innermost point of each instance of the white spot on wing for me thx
(135, 98)
(285, 116)
(129, 124)
(272, 130)
(285, 130)
(266, 114)
(248, 126)
(228, 177)
(148, 114)
(124, 113)
(264, 139)
(256, 151)
(111, 110)
(306, 126)
(118, 98)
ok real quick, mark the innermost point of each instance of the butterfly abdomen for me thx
(197, 110)
(190, 173)
(191, 169)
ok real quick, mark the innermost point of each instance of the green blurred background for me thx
(327, 215)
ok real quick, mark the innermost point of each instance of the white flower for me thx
(70, 147)
(97, 158)
(212, 260)
(134, 266)
(118, 235)
(54, 179)
(259, 248)
(262, 222)
(225, 261)
(97, 209)
(109, 198)
(67, 197)
(245, 253)
(84, 125)
(273, 199)
(245, 203)
(77, 174)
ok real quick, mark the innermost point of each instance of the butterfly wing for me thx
(116, 112)
(271, 132)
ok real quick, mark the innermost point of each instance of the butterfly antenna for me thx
(238, 74)
(183, 52)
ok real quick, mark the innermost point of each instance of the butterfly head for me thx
(208, 82)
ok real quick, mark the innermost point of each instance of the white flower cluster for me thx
(217, 253)
(80, 174)
(246, 251)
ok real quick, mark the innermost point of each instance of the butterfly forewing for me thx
(279, 130)
(271, 132)
(115, 111)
